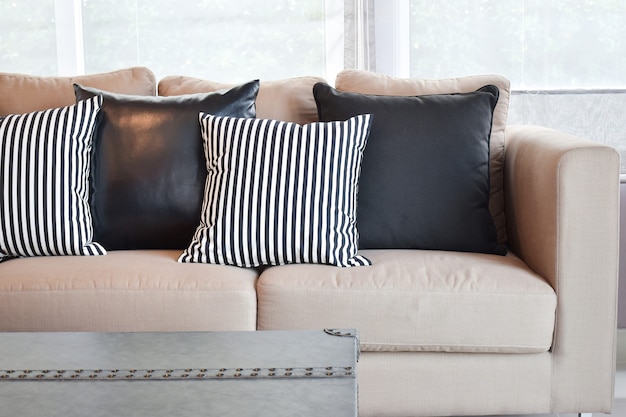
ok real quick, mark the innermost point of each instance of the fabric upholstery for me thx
(411, 300)
(288, 100)
(23, 93)
(279, 193)
(563, 215)
(395, 384)
(425, 176)
(124, 291)
(149, 173)
(45, 159)
(372, 83)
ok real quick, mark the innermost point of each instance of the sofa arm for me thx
(562, 213)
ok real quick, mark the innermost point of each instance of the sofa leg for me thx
(585, 414)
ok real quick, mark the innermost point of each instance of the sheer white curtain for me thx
(359, 34)
(598, 115)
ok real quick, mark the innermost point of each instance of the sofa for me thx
(478, 261)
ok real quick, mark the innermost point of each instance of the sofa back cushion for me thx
(289, 100)
(372, 83)
(148, 166)
(23, 93)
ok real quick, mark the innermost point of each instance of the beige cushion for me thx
(289, 100)
(412, 300)
(27, 93)
(372, 83)
(124, 291)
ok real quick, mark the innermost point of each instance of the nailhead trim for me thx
(175, 374)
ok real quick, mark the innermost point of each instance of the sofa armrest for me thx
(562, 213)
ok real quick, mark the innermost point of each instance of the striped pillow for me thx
(44, 172)
(279, 193)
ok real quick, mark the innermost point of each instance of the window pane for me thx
(223, 40)
(537, 44)
(28, 37)
(575, 44)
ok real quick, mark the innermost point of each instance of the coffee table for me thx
(264, 373)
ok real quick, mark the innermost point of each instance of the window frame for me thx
(69, 33)
(392, 37)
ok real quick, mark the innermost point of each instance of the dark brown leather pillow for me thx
(148, 168)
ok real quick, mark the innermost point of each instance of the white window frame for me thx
(69, 32)
(392, 37)
(334, 12)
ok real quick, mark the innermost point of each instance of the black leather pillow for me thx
(425, 173)
(148, 168)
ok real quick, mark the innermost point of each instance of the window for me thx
(565, 59)
(224, 40)
(28, 37)
(538, 45)
(232, 40)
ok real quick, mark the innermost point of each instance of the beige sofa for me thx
(442, 332)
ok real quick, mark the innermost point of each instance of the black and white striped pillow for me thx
(44, 172)
(280, 193)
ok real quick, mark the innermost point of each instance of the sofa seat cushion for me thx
(413, 300)
(140, 290)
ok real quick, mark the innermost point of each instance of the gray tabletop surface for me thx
(227, 361)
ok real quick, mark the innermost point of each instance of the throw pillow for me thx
(44, 172)
(289, 100)
(23, 93)
(279, 193)
(148, 167)
(366, 82)
(425, 174)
